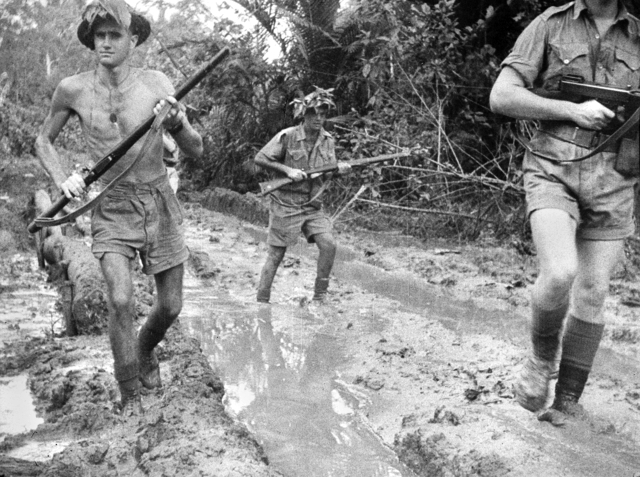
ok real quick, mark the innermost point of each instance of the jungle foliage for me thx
(407, 74)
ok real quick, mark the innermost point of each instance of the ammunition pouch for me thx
(628, 158)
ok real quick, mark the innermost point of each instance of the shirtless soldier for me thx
(141, 214)
(297, 207)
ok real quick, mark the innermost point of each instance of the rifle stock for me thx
(271, 186)
(104, 164)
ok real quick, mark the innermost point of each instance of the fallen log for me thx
(13, 467)
(75, 269)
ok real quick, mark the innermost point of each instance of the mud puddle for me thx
(26, 310)
(281, 371)
(459, 316)
(17, 411)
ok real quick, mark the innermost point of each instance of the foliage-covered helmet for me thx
(116, 10)
(319, 98)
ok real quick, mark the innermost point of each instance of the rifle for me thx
(271, 186)
(104, 164)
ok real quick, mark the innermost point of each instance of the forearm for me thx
(272, 165)
(519, 103)
(188, 140)
(50, 160)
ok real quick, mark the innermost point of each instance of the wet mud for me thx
(416, 349)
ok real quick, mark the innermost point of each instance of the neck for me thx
(604, 9)
(113, 77)
(311, 133)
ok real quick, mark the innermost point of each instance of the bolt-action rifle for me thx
(104, 164)
(270, 186)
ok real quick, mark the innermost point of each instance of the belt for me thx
(606, 142)
(581, 137)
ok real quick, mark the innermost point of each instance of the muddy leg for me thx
(274, 258)
(327, 254)
(165, 310)
(554, 235)
(122, 337)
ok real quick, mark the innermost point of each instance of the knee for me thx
(276, 253)
(121, 301)
(327, 244)
(592, 292)
(560, 276)
(171, 308)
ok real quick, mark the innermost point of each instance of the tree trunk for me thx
(74, 267)
(13, 467)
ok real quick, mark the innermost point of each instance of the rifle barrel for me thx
(610, 93)
(275, 184)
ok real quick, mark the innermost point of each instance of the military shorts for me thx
(286, 223)
(141, 218)
(597, 197)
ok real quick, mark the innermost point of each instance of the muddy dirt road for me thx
(406, 370)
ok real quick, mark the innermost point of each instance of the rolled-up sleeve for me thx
(527, 56)
(274, 150)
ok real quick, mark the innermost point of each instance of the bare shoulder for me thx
(156, 81)
(71, 87)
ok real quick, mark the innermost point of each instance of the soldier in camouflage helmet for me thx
(298, 206)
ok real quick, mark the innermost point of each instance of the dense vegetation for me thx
(407, 74)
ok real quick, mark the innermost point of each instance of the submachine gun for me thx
(574, 88)
(624, 102)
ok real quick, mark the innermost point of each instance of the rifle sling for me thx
(153, 133)
(602, 147)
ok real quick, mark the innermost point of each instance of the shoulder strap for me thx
(616, 136)
(153, 134)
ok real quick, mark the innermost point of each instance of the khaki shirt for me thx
(287, 147)
(564, 40)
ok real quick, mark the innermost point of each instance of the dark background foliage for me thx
(407, 74)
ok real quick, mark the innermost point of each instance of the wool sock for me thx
(148, 339)
(545, 330)
(579, 346)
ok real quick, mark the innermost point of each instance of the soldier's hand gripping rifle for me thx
(575, 89)
(104, 164)
(271, 186)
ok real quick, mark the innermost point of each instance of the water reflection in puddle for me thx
(17, 412)
(285, 386)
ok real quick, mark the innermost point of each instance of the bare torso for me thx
(108, 115)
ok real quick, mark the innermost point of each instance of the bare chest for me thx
(108, 113)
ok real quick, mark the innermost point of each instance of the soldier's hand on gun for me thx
(343, 168)
(175, 114)
(296, 175)
(592, 115)
(74, 186)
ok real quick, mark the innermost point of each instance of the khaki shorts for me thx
(285, 224)
(597, 197)
(143, 218)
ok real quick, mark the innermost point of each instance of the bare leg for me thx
(167, 307)
(326, 256)
(116, 269)
(274, 258)
(585, 324)
(554, 236)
